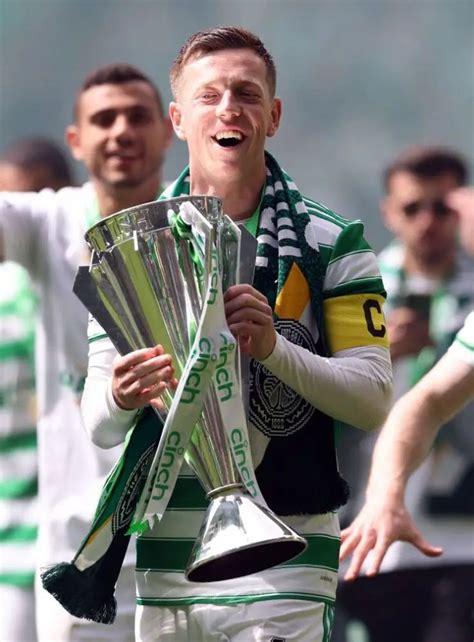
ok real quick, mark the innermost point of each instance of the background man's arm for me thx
(404, 443)
(22, 220)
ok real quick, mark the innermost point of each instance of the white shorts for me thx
(17, 619)
(55, 624)
(265, 621)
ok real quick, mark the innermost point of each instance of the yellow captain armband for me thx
(354, 321)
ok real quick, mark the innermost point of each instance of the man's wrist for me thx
(274, 354)
(114, 406)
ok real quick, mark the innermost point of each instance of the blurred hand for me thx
(375, 529)
(408, 332)
(250, 320)
(140, 377)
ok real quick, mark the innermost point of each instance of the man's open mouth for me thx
(229, 138)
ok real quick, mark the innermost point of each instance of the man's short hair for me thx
(427, 163)
(34, 153)
(116, 74)
(216, 39)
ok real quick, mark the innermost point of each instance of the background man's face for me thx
(120, 134)
(416, 212)
(17, 179)
(225, 111)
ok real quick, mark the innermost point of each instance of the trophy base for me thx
(240, 537)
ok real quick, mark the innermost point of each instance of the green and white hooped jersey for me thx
(18, 453)
(351, 276)
(44, 232)
(436, 485)
(463, 344)
(451, 300)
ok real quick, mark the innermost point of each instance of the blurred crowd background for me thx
(360, 79)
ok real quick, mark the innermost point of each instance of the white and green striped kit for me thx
(162, 552)
(452, 299)
(18, 453)
(439, 475)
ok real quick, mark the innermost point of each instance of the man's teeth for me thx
(229, 134)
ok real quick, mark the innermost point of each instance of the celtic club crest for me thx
(275, 408)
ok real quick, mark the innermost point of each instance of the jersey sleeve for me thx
(106, 423)
(463, 344)
(354, 294)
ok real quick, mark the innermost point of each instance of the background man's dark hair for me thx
(426, 163)
(217, 39)
(35, 153)
(116, 74)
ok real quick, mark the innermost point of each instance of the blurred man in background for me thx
(121, 135)
(430, 290)
(29, 165)
(32, 164)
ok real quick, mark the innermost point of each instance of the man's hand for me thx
(140, 377)
(374, 529)
(408, 333)
(250, 320)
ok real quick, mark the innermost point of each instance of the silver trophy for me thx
(149, 289)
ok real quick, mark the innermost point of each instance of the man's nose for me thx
(426, 216)
(228, 106)
(122, 127)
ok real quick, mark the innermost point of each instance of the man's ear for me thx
(176, 120)
(387, 213)
(275, 118)
(168, 132)
(73, 141)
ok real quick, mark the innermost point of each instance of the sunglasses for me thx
(438, 206)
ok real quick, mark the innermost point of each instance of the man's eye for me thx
(208, 96)
(104, 120)
(139, 117)
(251, 96)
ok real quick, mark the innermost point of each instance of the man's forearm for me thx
(409, 432)
(354, 386)
(401, 446)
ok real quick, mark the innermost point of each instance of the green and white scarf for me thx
(284, 237)
(85, 587)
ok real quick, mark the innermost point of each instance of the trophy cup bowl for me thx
(150, 290)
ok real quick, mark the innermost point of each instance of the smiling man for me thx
(121, 135)
(312, 323)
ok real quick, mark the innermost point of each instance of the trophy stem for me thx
(224, 490)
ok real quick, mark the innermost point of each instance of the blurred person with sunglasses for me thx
(427, 276)
(429, 279)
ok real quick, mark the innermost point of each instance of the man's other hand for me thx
(140, 378)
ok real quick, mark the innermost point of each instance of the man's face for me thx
(416, 211)
(120, 135)
(224, 110)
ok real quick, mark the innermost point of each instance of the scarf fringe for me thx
(80, 593)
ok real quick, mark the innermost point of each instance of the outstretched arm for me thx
(404, 442)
